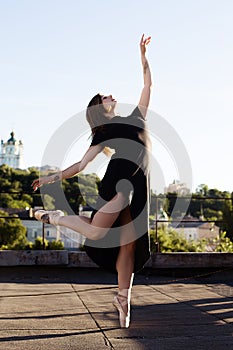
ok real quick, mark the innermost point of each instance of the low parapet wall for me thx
(80, 259)
(190, 260)
(33, 257)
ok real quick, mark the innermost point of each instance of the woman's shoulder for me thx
(136, 113)
(136, 119)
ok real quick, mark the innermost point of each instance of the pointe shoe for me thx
(123, 317)
(48, 217)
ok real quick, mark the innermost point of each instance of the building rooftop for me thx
(70, 308)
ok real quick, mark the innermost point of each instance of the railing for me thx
(196, 198)
(158, 200)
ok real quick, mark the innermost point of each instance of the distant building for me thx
(70, 238)
(194, 229)
(177, 187)
(11, 152)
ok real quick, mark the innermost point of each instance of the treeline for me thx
(205, 203)
(16, 190)
(16, 193)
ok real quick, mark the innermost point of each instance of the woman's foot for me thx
(121, 303)
(48, 217)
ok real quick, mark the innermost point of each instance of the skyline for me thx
(56, 55)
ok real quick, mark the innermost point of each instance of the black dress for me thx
(128, 172)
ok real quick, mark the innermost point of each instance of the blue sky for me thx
(56, 54)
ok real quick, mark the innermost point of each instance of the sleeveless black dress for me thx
(128, 172)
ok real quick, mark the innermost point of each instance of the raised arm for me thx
(70, 171)
(146, 91)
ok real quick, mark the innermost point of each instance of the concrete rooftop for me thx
(56, 308)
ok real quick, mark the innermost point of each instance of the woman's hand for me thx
(41, 181)
(143, 44)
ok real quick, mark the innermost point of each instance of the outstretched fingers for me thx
(145, 41)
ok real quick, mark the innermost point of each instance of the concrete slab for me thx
(57, 308)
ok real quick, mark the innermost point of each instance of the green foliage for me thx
(171, 241)
(48, 202)
(224, 244)
(81, 189)
(6, 200)
(53, 245)
(227, 224)
(16, 191)
(12, 232)
(38, 245)
(211, 204)
(17, 185)
(174, 210)
(20, 244)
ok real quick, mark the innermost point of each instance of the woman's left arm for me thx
(146, 91)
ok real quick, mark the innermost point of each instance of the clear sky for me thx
(56, 54)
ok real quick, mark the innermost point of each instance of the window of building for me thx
(34, 233)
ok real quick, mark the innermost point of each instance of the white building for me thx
(70, 238)
(177, 187)
(11, 152)
(194, 229)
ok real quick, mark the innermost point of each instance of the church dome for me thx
(12, 138)
(11, 152)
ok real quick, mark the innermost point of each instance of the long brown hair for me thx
(95, 115)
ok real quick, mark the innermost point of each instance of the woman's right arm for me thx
(70, 171)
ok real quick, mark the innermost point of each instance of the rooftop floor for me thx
(56, 308)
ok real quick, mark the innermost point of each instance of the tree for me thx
(202, 190)
(171, 241)
(53, 245)
(224, 244)
(228, 217)
(12, 232)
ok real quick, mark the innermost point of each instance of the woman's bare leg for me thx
(101, 223)
(125, 260)
(125, 265)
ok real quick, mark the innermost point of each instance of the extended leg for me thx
(101, 223)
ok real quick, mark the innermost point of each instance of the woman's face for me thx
(109, 102)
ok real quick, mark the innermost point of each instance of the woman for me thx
(117, 233)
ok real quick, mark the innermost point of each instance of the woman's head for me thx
(99, 108)
(109, 103)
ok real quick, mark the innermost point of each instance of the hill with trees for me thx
(16, 192)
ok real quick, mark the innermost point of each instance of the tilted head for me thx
(99, 111)
(99, 108)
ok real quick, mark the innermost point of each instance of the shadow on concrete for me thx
(173, 326)
(52, 335)
(167, 311)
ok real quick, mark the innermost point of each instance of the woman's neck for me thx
(110, 115)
